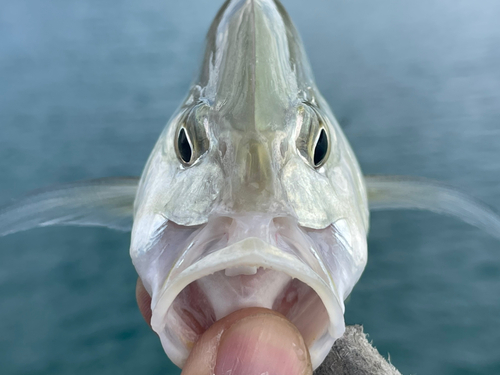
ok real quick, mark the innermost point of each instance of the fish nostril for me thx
(284, 148)
(222, 149)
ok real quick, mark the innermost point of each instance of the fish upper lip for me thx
(254, 252)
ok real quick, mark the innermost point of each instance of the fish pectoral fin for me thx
(404, 192)
(106, 202)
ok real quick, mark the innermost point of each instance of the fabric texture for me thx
(352, 354)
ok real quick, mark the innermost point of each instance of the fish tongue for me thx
(230, 293)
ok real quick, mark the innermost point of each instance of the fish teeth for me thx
(240, 270)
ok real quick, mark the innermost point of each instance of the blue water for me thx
(86, 86)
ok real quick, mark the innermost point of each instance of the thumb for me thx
(251, 341)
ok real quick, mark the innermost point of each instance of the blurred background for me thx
(86, 86)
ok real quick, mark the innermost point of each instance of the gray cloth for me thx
(352, 354)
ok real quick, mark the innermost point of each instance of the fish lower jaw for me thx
(252, 274)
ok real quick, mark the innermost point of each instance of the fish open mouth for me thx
(204, 301)
(249, 273)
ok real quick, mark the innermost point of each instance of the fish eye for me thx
(184, 146)
(314, 140)
(192, 140)
(320, 149)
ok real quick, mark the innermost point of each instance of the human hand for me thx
(251, 341)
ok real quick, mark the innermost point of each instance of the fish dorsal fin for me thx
(404, 192)
(106, 202)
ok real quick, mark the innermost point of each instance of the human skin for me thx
(250, 341)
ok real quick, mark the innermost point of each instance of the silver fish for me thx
(252, 195)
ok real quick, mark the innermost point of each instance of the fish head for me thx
(252, 195)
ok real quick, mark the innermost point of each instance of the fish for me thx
(252, 195)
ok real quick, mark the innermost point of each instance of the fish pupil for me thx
(321, 148)
(184, 147)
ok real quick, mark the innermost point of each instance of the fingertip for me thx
(250, 342)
